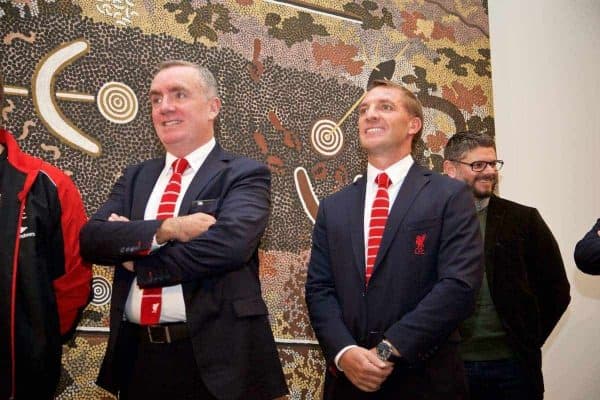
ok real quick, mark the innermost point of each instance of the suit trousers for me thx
(499, 380)
(161, 371)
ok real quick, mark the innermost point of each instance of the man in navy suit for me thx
(193, 233)
(387, 288)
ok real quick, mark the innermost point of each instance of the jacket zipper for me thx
(13, 297)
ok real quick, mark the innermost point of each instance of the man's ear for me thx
(415, 124)
(215, 107)
(449, 168)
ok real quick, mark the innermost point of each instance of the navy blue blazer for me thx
(228, 319)
(426, 275)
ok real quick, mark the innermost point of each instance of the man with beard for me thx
(525, 290)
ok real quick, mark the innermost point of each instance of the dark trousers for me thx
(498, 380)
(161, 371)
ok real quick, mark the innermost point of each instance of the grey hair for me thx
(208, 79)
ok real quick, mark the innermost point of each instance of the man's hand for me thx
(115, 217)
(128, 265)
(184, 228)
(364, 369)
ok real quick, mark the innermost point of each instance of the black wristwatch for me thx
(384, 352)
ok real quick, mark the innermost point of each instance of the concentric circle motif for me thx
(117, 102)
(101, 288)
(326, 137)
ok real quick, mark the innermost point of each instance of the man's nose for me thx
(166, 105)
(370, 113)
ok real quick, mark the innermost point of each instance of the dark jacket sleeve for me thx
(459, 275)
(587, 251)
(111, 243)
(547, 274)
(320, 292)
(227, 245)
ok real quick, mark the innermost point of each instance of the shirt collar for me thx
(482, 204)
(396, 172)
(195, 158)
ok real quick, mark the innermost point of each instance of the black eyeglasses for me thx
(478, 166)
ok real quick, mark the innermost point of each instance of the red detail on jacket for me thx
(72, 289)
(420, 244)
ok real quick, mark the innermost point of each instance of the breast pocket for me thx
(206, 206)
(422, 224)
(422, 237)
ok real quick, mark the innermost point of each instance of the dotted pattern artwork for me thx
(289, 81)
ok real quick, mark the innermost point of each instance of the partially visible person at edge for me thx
(587, 251)
(395, 266)
(525, 289)
(44, 283)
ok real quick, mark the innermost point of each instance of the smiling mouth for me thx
(372, 131)
(171, 123)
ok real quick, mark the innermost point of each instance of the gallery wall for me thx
(546, 80)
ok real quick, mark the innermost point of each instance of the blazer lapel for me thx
(357, 232)
(210, 167)
(494, 220)
(415, 180)
(144, 183)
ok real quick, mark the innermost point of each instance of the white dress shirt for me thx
(173, 306)
(396, 172)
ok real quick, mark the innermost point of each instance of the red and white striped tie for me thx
(152, 297)
(379, 215)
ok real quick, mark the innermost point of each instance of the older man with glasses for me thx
(525, 290)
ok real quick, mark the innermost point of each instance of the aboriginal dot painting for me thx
(77, 74)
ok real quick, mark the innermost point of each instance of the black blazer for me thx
(426, 275)
(527, 279)
(587, 251)
(228, 319)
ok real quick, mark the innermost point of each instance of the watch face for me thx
(383, 351)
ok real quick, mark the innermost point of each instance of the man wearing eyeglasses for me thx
(525, 290)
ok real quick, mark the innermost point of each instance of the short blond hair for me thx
(411, 103)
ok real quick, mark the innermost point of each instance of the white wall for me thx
(546, 82)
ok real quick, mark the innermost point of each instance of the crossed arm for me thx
(182, 229)
(195, 245)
